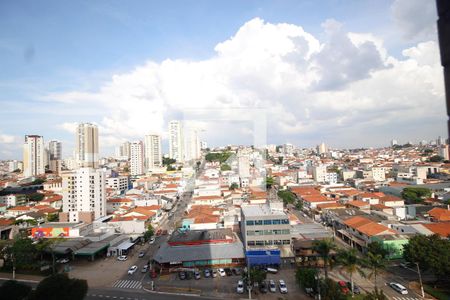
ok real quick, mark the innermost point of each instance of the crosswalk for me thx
(128, 284)
(405, 298)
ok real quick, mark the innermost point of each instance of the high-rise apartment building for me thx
(84, 195)
(153, 152)
(176, 141)
(55, 150)
(33, 155)
(137, 158)
(243, 166)
(193, 145)
(87, 145)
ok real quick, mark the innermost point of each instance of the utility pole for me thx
(420, 280)
(14, 267)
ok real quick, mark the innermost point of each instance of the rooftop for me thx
(260, 210)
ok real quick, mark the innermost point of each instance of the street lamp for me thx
(317, 277)
(420, 280)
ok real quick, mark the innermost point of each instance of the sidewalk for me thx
(22, 277)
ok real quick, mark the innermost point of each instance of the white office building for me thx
(86, 149)
(176, 141)
(153, 152)
(137, 158)
(84, 195)
(33, 155)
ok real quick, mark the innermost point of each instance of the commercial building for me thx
(176, 141)
(55, 150)
(87, 145)
(137, 158)
(84, 195)
(193, 145)
(33, 155)
(119, 183)
(153, 152)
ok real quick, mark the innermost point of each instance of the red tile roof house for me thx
(363, 230)
(438, 214)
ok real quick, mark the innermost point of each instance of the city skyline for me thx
(351, 80)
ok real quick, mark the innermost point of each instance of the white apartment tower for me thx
(87, 145)
(137, 158)
(33, 155)
(84, 195)
(243, 166)
(193, 146)
(176, 141)
(320, 174)
(153, 153)
(55, 150)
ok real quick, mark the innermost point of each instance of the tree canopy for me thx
(306, 277)
(225, 167)
(14, 290)
(269, 182)
(234, 186)
(218, 156)
(60, 286)
(415, 194)
(168, 161)
(287, 196)
(436, 158)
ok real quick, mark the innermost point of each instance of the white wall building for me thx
(119, 183)
(55, 150)
(320, 173)
(153, 152)
(193, 147)
(137, 158)
(176, 141)
(378, 174)
(243, 166)
(84, 195)
(33, 155)
(86, 149)
(14, 165)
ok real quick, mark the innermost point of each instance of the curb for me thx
(23, 280)
(168, 293)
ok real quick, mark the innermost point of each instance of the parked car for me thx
(398, 288)
(152, 240)
(222, 272)
(141, 254)
(122, 258)
(271, 270)
(263, 287)
(182, 275)
(228, 272)
(207, 273)
(189, 275)
(197, 275)
(283, 287)
(240, 287)
(132, 270)
(144, 269)
(63, 260)
(344, 287)
(272, 286)
(407, 265)
(310, 292)
(214, 273)
(356, 289)
(237, 271)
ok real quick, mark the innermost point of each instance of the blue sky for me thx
(50, 50)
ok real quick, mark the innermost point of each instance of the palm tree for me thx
(324, 248)
(351, 263)
(376, 263)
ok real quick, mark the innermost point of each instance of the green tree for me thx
(376, 264)
(14, 290)
(330, 290)
(38, 181)
(170, 168)
(52, 217)
(60, 286)
(431, 253)
(225, 167)
(436, 158)
(218, 156)
(269, 182)
(349, 261)
(257, 275)
(17, 171)
(21, 254)
(168, 161)
(287, 196)
(36, 197)
(324, 248)
(377, 248)
(415, 194)
(46, 246)
(306, 277)
(234, 186)
(376, 294)
(149, 232)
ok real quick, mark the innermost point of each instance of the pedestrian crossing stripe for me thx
(128, 284)
(405, 298)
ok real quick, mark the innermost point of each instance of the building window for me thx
(259, 243)
(286, 242)
(258, 222)
(285, 231)
(276, 222)
(250, 223)
(250, 243)
(285, 221)
(250, 232)
(268, 243)
(277, 242)
(268, 232)
(267, 222)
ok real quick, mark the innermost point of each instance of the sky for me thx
(347, 73)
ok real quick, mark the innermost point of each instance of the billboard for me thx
(50, 232)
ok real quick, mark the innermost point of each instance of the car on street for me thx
(207, 273)
(144, 269)
(222, 272)
(63, 260)
(197, 275)
(356, 289)
(152, 240)
(272, 286)
(214, 273)
(122, 257)
(398, 288)
(240, 287)
(141, 254)
(132, 270)
(343, 286)
(182, 275)
(282, 286)
(263, 287)
(228, 272)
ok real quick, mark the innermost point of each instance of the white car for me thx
(222, 272)
(152, 240)
(214, 273)
(122, 258)
(240, 287)
(272, 286)
(399, 288)
(283, 287)
(132, 270)
(63, 260)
